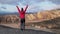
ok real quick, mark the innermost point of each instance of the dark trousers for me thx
(23, 23)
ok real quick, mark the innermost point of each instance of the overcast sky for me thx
(34, 5)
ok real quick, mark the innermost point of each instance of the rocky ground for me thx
(48, 20)
(5, 30)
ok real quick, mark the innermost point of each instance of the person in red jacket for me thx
(22, 16)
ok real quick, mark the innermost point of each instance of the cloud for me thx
(13, 2)
(44, 5)
(47, 5)
(34, 5)
(55, 1)
(7, 8)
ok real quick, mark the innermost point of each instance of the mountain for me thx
(8, 13)
(39, 16)
(46, 19)
(44, 15)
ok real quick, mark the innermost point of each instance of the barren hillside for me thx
(37, 17)
(43, 20)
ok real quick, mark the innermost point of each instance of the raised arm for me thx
(26, 8)
(18, 9)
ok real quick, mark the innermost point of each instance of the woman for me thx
(22, 16)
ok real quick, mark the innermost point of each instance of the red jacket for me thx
(22, 13)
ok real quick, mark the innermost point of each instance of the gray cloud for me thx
(56, 1)
(4, 7)
(9, 1)
(14, 2)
